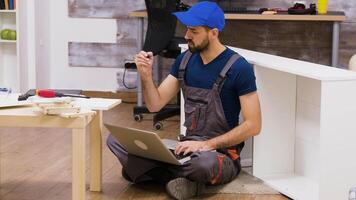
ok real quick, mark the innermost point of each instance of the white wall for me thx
(42, 38)
(52, 46)
(26, 13)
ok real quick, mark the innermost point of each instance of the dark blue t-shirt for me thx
(240, 80)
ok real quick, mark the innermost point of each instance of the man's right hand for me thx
(144, 62)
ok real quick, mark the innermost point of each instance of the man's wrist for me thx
(146, 79)
(211, 144)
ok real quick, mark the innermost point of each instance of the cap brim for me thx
(187, 19)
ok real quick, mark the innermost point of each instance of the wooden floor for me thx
(35, 164)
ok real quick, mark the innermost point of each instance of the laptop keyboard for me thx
(179, 156)
(171, 145)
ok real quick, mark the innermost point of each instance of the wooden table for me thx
(28, 116)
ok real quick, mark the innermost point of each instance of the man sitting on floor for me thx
(217, 84)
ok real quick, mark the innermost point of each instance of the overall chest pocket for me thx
(195, 115)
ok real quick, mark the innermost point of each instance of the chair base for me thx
(164, 113)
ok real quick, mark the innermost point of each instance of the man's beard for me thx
(199, 48)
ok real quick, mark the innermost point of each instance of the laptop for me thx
(147, 144)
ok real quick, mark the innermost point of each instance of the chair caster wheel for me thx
(158, 125)
(138, 117)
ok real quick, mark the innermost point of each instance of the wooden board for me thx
(107, 55)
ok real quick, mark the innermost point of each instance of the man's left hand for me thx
(192, 146)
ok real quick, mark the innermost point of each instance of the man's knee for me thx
(212, 168)
(201, 167)
(111, 141)
(115, 146)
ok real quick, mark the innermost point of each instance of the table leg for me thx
(335, 44)
(96, 152)
(140, 45)
(78, 164)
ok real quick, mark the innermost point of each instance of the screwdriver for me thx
(47, 93)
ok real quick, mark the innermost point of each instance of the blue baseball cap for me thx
(204, 13)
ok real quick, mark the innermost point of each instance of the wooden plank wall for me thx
(309, 41)
(107, 55)
(101, 54)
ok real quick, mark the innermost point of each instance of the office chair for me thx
(161, 41)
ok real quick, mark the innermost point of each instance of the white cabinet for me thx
(17, 58)
(9, 52)
(306, 149)
(309, 133)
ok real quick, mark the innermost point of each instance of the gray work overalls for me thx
(204, 119)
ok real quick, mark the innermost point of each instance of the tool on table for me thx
(24, 97)
(47, 93)
(51, 93)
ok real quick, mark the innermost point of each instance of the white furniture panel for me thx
(8, 65)
(17, 66)
(337, 139)
(306, 149)
(8, 52)
(307, 133)
(275, 144)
